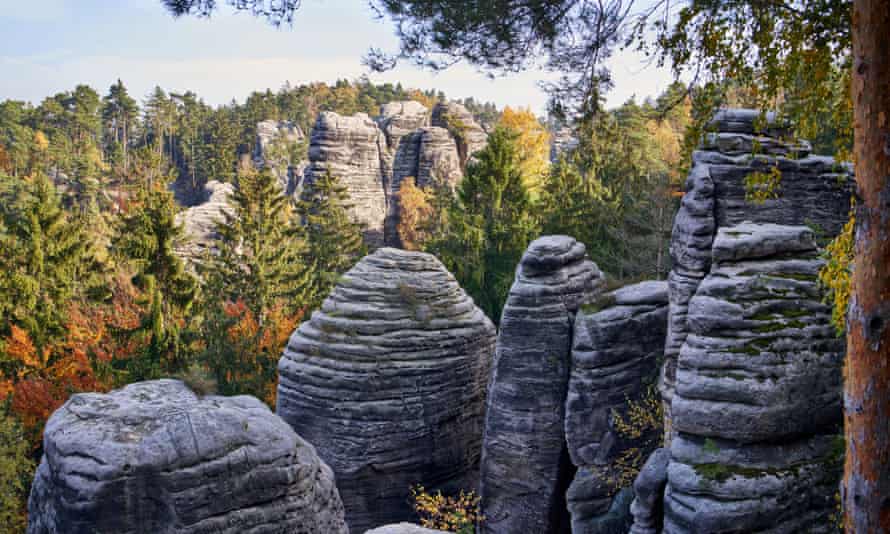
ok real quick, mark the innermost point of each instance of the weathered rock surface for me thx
(154, 457)
(372, 158)
(757, 405)
(199, 221)
(813, 190)
(275, 136)
(525, 464)
(350, 149)
(648, 504)
(562, 140)
(388, 380)
(457, 119)
(618, 344)
(403, 528)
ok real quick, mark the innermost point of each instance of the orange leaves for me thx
(415, 210)
(19, 347)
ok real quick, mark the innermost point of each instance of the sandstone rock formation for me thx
(199, 221)
(648, 504)
(525, 464)
(154, 457)
(814, 190)
(388, 380)
(272, 140)
(373, 157)
(403, 528)
(618, 345)
(562, 140)
(757, 405)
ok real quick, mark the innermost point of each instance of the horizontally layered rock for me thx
(525, 464)
(273, 141)
(388, 380)
(813, 190)
(459, 121)
(757, 405)
(155, 457)
(618, 345)
(199, 221)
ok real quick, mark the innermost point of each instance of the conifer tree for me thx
(334, 239)
(489, 224)
(119, 115)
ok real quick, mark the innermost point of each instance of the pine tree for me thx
(489, 224)
(334, 239)
(119, 115)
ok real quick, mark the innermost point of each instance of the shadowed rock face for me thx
(757, 405)
(618, 344)
(525, 463)
(199, 222)
(814, 191)
(153, 457)
(648, 504)
(388, 380)
(270, 132)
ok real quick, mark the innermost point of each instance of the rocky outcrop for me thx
(403, 528)
(562, 141)
(618, 345)
(388, 380)
(757, 405)
(455, 118)
(155, 457)
(199, 221)
(813, 191)
(349, 148)
(373, 157)
(525, 464)
(273, 142)
(648, 504)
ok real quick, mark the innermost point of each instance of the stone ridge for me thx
(757, 406)
(525, 464)
(617, 346)
(154, 457)
(388, 381)
(813, 191)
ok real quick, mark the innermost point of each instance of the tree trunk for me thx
(866, 492)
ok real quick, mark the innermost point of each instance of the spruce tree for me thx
(334, 239)
(488, 224)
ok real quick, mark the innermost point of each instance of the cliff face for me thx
(199, 221)
(525, 464)
(154, 457)
(813, 191)
(273, 140)
(373, 157)
(757, 404)
(388, 381)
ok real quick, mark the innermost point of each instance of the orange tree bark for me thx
(866, 493)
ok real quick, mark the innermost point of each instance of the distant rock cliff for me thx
(199, 221)
(388, 381)
(274, 140)
(373, 156)
(155, 457)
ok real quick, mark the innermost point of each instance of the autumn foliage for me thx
(415, 211)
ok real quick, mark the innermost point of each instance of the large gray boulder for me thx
(155, 457)
(388, 380)
(618, 345)
(757, 405)
(525, 464)
(813, 191)
(350, 149)
(403, 528)
(199, 222)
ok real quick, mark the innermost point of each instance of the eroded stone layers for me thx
(388, 380)
(525, 464)
(459, 121)
(273, 139)
(350, 149)
(757, 406)
(199, 221)
(813, 191)
(618, 344)
(154, 457)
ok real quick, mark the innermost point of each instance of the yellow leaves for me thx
(415, 209)
(533, 144)
(20, 347)
(836, 275)
(762, 186)
(41, 142)
(459, 513)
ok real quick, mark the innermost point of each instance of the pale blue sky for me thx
(47, 46)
